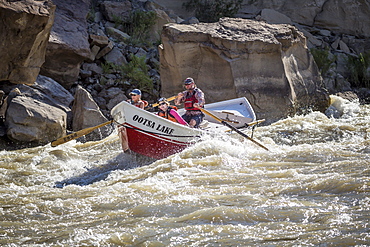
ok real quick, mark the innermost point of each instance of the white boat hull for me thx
(148, 134)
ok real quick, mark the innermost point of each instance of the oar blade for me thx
(232, 127)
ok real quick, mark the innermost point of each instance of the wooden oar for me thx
(169, 99)
(78, 134)
(86, 131)
(232, 127)
(256, 122)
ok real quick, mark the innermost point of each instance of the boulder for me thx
(68, 43)
(49, 92)
(29, 120)
(115, 57)
(116, 11)
(161, 20)
(177, 7)
(25, 28)
(345, 16)
(269, 64)
(86, 113)
(340, 16)
(117, 34)
(274, 17)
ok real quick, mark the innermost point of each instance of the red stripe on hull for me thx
(152, 145)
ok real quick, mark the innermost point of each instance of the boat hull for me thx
(148, 134)
(153, 145)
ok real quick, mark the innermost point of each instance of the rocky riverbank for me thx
(91, 64)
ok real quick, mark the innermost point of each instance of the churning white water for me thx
(310, 189)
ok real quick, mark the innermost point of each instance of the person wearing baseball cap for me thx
(193, 99)
(136, 99)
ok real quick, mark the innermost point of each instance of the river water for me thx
(311, 189)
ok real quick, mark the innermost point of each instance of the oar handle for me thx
(78, 134)
(169, 99)
(210, 114)
(256, 122)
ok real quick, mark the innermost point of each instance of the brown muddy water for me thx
(311, 189)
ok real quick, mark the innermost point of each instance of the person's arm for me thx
(178, 117)
(200, 97)
(141, 104)
(180, 98)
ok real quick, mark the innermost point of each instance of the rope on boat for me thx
(156, 133)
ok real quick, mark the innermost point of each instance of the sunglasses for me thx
(163, 103)
(132, 94)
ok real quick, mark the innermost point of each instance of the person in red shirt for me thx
(193, 99)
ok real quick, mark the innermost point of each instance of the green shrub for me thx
(322, 59)
(357, 66)
(213, 10)
(139, 25)
(107, 67)
(136, 71)
(117, 21)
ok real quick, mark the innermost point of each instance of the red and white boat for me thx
(148, 134)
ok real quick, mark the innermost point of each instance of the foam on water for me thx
(311, 188)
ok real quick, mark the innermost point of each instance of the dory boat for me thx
(148, 134)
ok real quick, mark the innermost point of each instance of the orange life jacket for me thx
(167, 114)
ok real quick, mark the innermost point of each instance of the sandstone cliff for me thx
(269, 64)
(24, 28)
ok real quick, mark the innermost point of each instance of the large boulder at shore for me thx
(49, 92)
(37, 113)
(32, 121)
(68, 43)
(266, 63)
(86, 113)
(25, 28)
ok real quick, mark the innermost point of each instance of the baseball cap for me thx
(135, 92)
(188, 81)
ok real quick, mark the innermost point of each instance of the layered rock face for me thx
(25, 28)
(342, 16)
(269, 64)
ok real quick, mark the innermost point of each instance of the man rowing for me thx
(193, 99)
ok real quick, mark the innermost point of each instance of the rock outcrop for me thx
(68, 44)
(269, 64)
(341, 16)
(29, 120)
(89, 46)
(37, 113)
(25, 28)
(86, 113)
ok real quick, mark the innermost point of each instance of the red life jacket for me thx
(190, 100)
(167, 114)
